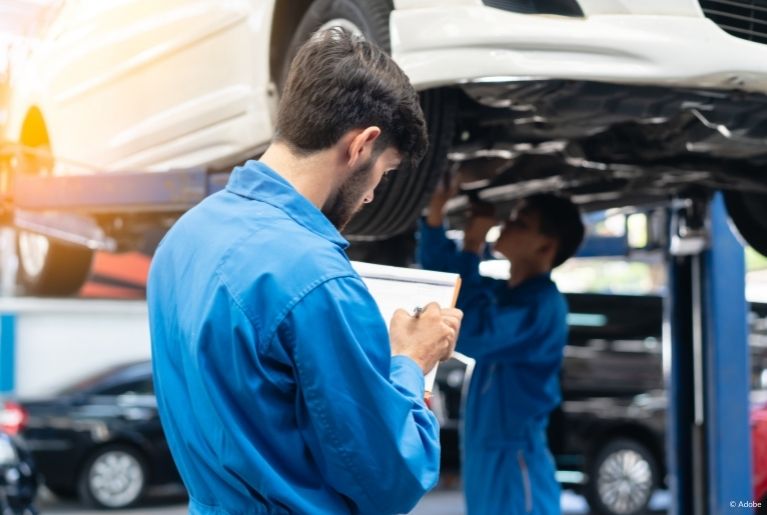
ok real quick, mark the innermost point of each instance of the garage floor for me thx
(171, 501)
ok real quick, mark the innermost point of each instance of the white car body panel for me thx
(589, 7)
(155, 85)
(443, 46)
(146, 85)
(664, 7)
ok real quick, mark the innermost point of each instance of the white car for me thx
(611, 102)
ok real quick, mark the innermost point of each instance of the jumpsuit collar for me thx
(257, 181)
(528, 286)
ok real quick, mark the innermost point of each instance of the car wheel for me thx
(399, 201)
(748, 212)
(113, 477)
(47, 266)
(622, 478)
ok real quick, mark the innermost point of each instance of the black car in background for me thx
(100, 439)
(18, 475)
(608, 435)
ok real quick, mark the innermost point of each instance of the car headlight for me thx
(8, 454)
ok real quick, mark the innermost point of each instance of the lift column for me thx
(706, 363)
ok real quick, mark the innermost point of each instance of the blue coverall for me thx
(517, 337)
(272, 367)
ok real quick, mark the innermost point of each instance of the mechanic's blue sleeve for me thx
(437, 252)
(365, 420)
(516, 332)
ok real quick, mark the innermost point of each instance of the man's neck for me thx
(312, 176)
(522, 271)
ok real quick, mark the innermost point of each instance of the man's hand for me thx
(435, 211)
(427, 339)
(482, 219)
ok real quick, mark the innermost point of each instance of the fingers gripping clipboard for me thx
(409, 288)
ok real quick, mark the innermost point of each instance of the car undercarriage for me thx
(608, 145)
(602, 143)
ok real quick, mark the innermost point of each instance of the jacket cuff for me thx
(469, 261)
(408, 374)
(429, 233)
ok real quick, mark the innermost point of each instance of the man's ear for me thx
(548, 249)
(360, 148)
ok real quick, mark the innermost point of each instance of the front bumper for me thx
(439, 46)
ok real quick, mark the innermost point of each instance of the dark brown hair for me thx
(560, 219)
(339, 82)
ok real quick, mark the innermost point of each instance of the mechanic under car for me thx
(516, 330)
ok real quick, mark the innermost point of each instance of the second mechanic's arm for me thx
(437, 252)
(512, 332)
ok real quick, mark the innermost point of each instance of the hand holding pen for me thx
(427, 336)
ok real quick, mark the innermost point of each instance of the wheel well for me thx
(287, 16)
(34, 131)
(639, 433)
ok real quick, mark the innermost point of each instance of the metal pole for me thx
(706, 365)
(678, 364)
(726, 368)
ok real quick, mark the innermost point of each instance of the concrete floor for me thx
(172, 501)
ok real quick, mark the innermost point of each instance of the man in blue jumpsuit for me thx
(279, 388)
(516, 331)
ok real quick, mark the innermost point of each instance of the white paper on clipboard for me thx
(408, 288)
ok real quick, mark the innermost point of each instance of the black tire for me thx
(399, 201)
(396, 251)
(53, 269)
(748, 212)
(622, 477)
(371, 17)
(130, 488)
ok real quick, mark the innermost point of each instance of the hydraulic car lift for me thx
(706, 357)
(706, 363)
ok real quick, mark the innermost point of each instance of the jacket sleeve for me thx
(515, 333)
(437, 252)
(369, 429)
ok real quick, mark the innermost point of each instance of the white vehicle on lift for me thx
(609, 101)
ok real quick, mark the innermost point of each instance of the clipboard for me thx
(408, 288)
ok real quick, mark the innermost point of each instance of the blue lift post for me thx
(709, 450)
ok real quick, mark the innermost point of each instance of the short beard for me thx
(345, 202)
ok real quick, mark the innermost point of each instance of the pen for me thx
(417, 312)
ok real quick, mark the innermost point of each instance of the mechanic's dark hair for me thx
(339, 82)
(560, 219)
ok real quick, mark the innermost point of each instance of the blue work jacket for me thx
(275, 384)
